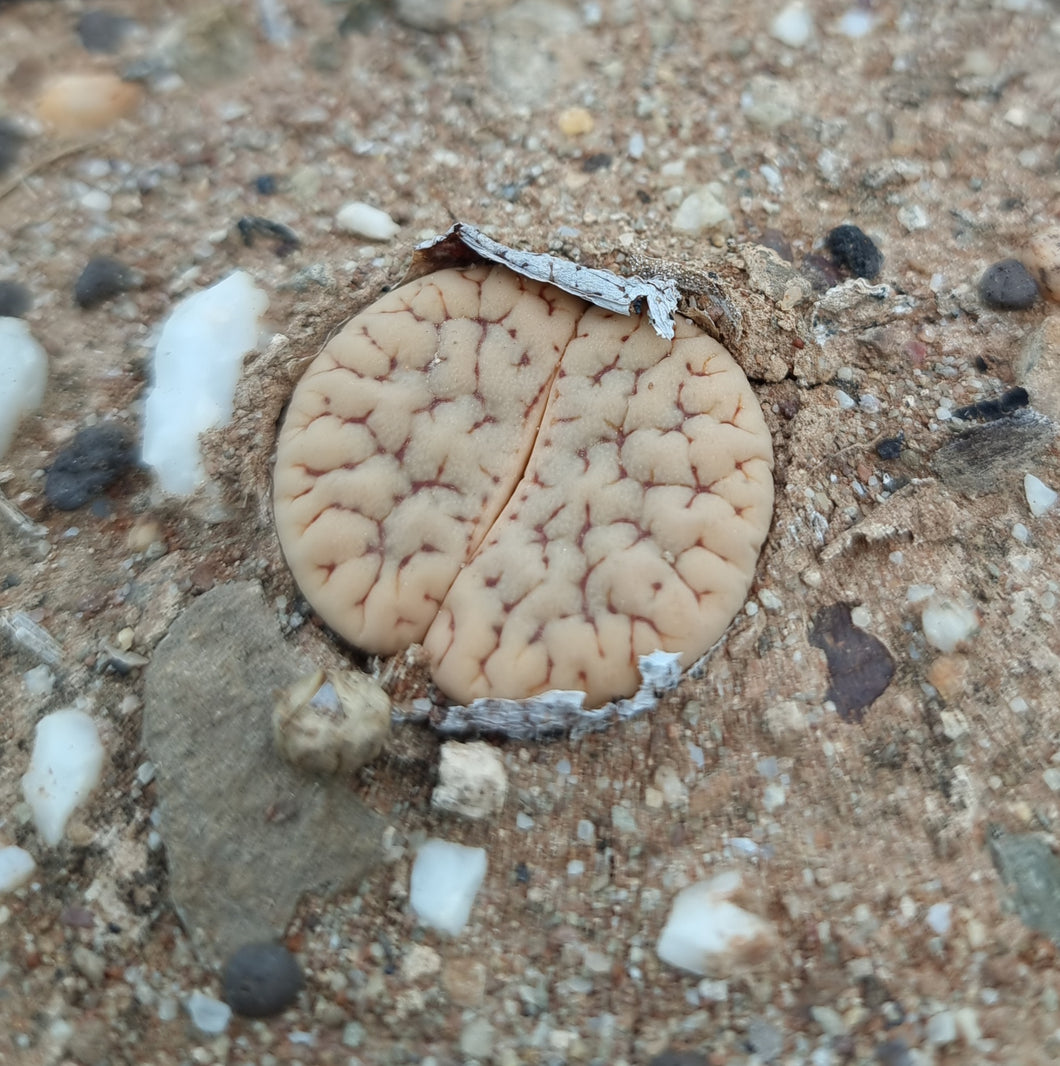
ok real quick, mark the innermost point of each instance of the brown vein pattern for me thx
(538, 490)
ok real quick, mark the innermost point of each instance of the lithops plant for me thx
(536, 489)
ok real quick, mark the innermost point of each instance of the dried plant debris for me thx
(976, 461)
(539, 491)
(859, 665)
(463, 244)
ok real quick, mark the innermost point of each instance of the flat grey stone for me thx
(1029, 867)
(245, 833)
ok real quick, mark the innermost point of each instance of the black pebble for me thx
(891, 448)
(15, 299)
(101, 280)
(894, 1053)
(11, 139)
(853, 249)
(103, 31)
(599, 161)
(260, 980)
(265, 184)
(991, 410)
(87, 465)
(1007, 286)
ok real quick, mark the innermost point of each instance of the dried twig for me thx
(46, 161)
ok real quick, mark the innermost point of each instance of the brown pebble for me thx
(949, 675)
(84, 103)
(1042, 260)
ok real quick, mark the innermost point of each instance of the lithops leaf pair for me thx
(536, 489)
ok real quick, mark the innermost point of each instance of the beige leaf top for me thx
(538, 490)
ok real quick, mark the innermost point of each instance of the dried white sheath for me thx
(624, 296)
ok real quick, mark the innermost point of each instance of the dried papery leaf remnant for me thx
(537, 489)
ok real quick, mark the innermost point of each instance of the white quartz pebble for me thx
(364, 220)
(16, 868)
(445, 879)
(1040, 497)
(23, 373)
(64, 769)
(793, 26)
(707, 934)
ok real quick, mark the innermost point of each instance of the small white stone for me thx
(1021, 533)
(942, 1028)
(16, 868)
(845, 400)
(1051, 777)
(96, 200)
(23, 374)
(770, 600)
(364, 220)
(635, 148)
(1040, 497)
(471, 780)
(947, 623)
(709, 935)
(793, 26)
(444, 882)
(855, 24)
(64, 768)
(420, 961)
(913, 217)
(938, 918)
(39, 681)
(703, 209)
(208, 1015)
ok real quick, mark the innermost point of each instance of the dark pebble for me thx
(11, 139)
(679, 1058)
(1007, 286)
(253, 226)
(260, 980)
(15, 299)
(820, 272)
(101, 280)
(853, 249)
(773, 238)
(991, 410)
(599, 161)
(96, 457)
(894, 1053)
(103, 31)
(265, 184)
(891, 448)
(859, 666)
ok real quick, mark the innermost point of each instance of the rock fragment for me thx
(708, 934)
(245, 833)
(1007, 286)
(23, 376)
(859, 665)
(471, 780)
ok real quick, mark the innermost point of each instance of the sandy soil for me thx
(937, 134)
